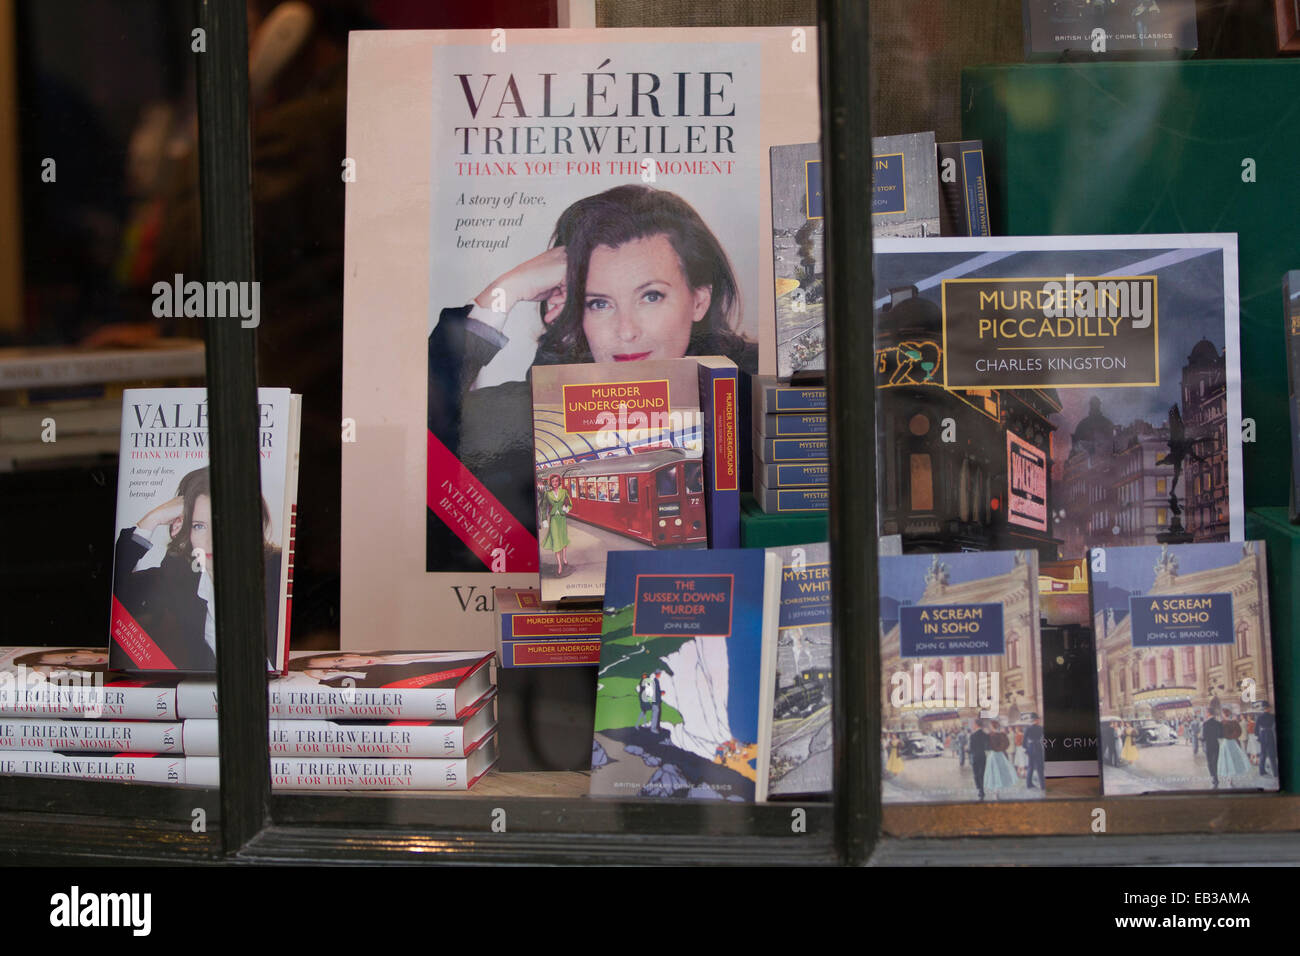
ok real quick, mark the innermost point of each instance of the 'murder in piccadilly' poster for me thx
(1058, 393)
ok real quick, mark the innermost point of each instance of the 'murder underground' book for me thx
(1058, 393)
(961, 678)
(1185, 682)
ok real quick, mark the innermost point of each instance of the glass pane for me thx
(1021, 443)
(501, 194)
(103, 430)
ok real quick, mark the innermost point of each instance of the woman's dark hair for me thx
(618, 216)
(190, 488)
(35, 658)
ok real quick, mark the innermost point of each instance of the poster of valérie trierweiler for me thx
(541, 198)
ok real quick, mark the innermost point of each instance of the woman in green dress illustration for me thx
(557, 506)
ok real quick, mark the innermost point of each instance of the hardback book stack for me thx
(368, 720)
(791, 448)
(388, 720)
(64, 714)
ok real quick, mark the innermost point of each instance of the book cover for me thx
(1055, 26)
(770, 397)
(802, 733)
(1185, 683)
(449, 739)
(799, 259)
(965, 208)
(85, 736)
(1058, 393)
(720, 413)
(1291, 310)
(686, 651)
(619, 464)
(76, 682)
(347, 685)
(961, 678)
(904, 186)
(163, 611)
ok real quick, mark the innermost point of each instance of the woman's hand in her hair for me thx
(165, 513)
(540, 279)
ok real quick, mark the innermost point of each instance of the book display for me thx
(639, 450)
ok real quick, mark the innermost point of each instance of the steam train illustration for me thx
(805, 695)
(656, 496)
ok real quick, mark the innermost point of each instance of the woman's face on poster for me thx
(201, 529)
(638, 303)
(74, 657)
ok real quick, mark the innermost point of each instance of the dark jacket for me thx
(165, 602)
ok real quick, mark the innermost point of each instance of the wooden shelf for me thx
(1124, 816)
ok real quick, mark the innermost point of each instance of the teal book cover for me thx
(681, 675)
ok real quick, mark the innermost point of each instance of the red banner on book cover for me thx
(556, 625)
(127, 634)
(468, 508)
(424, 680)
(589, 408)
(525, 653)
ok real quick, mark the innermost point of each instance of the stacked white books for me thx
(384, 720)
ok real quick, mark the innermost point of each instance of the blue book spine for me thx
(720, 409)
(793, 426)
(772, 450)
(801, 474)
(792, 500)
(976, 193)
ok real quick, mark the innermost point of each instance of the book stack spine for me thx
(791, 466)
(103, 726)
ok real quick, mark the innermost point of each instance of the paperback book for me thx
(684, 686)
(1291, 310)
(965, 208)
(904, 202)
(163, 609)
(797, 475)
(1186, 685)
(619, 464)
(770, 397)
(961, 678)
(802, 734)
(1058, 393)
(375, 685)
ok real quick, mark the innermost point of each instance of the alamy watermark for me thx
(54, 693)
(208, 300)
